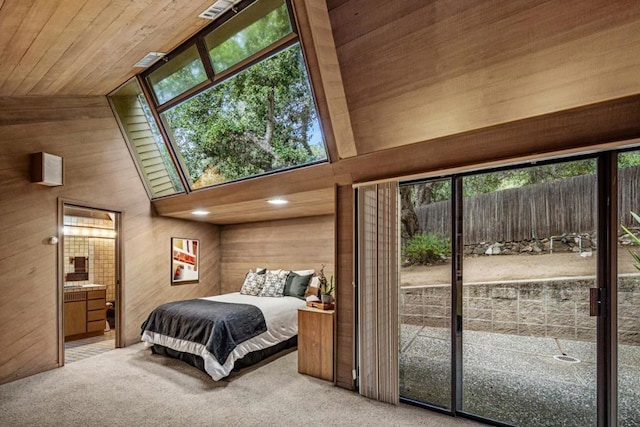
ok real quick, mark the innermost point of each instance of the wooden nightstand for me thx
(315, 342)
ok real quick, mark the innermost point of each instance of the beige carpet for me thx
(132, 387)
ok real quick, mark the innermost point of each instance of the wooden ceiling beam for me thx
(316, 37)
(574, 130)
(306, 179)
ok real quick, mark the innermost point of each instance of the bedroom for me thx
(573, 89)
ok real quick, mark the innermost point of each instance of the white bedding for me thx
(281, 317)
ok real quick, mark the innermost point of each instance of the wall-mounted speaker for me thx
(46, 169)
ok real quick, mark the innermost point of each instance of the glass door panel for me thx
(628, 290)
(529, 344)
(425, 293)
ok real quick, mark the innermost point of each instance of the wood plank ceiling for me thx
(54, 48)
(86, 47)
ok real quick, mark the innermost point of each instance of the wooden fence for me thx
(534, 211)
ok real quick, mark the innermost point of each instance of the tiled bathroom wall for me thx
(100, 251)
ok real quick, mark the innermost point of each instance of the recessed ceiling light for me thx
(278, 201)
(200, 212)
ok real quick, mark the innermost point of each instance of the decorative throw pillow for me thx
(274, 284)
(296, 284)
(253, 284)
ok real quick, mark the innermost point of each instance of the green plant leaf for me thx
(636, 239)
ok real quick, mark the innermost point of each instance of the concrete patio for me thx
(516, 379)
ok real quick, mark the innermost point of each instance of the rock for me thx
(526, 249)
(478, 250)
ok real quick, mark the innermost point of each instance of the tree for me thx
(260, 120)
(410, 226)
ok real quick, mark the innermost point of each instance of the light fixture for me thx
(69, 230)
(149, 59)
(217, 8)
(200, 212)
(278, 201)
(46, 169)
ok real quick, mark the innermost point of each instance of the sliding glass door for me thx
(510, 310)
(529, 343)
(425, 293)
(628, 318)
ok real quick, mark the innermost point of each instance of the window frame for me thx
(161, 130)
(214, 79)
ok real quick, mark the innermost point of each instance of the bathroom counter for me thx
(84, 288)
(84, 311)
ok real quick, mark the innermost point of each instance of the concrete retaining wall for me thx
(556, 308)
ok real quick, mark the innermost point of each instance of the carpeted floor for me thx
(130, 386)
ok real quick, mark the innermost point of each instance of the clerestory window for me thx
(235, 100)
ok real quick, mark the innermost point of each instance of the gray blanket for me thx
(219, 326)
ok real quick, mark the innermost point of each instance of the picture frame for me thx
(185, 260)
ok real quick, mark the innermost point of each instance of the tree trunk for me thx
(409, 219)
(270, 125)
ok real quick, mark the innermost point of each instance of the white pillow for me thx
(253, 284)
(273, 284)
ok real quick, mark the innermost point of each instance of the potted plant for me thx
(326, 287)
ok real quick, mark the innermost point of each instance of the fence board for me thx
(534, 211)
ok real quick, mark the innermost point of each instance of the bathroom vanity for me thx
(84, 311)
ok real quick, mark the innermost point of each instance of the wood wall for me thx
(345, 309)
(418, 70)
(441, 84)
(98, 169)
(292, 244)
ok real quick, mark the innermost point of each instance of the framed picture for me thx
(185, 261)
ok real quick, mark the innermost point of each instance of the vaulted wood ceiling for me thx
(86, 47)
(89, 47)
(402, 86)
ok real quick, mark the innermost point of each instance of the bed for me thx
(218, 333)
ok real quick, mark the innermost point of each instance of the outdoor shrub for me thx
(636, 240)
(427, 248)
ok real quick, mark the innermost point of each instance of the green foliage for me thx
(181, 80)
(626, 160)
(244, 43)
(515, 178)
(636, 240)
(261, 120)
(426, 248)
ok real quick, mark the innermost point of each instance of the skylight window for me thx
(256, 28)
(234, 101)
(178, 75)
(145, 141)
(261, 120)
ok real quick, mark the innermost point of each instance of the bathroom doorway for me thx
(89, 276)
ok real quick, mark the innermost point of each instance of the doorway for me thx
(89, 276)
(510, 311)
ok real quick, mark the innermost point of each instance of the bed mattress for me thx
(280, 317)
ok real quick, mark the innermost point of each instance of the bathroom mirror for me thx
(185, 261)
